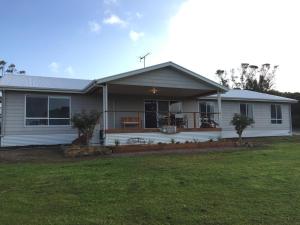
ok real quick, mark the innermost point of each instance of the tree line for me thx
(9, 68)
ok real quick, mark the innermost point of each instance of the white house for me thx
(150, 105)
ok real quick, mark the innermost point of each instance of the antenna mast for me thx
(144, 58)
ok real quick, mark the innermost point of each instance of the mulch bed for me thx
(53, 154)
(163, 147)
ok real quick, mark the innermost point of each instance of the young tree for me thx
(11, 69)
(2, 66)
(85, 123)
(222, 75)
(240, 123)
(251, 77)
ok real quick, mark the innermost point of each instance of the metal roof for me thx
(246, 95)
(43, 83)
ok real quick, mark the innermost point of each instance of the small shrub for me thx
(240, 123)
(172, 141)
(177, 142)
(85, 123)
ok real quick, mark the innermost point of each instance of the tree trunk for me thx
(240, 139)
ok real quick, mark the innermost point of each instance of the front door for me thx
(150, 114)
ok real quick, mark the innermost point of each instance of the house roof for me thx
(160, 66)
(55, 84)
(246, 95)
(43, 83)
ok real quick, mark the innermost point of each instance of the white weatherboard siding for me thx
(15, 132)
(165, 77)
(157, 137)
(49, 139)
(262, 118)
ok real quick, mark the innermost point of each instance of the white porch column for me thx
(105, 108)
(220, 108)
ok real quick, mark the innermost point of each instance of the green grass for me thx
(244, 187)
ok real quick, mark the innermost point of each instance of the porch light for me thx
(154, 90)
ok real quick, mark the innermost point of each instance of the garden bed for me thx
(172, 146)
(73, 151)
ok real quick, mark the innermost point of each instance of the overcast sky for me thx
(96, 38)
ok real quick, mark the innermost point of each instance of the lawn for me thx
(260, 186)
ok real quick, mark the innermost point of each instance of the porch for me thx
(145, 119)
(158, 104)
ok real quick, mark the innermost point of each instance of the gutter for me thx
(252, 100)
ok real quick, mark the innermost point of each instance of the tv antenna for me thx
(144, 58)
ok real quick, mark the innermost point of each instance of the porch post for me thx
(220, 108)
(105, 108)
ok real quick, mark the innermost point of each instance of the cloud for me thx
(135, 36)
(110, 2)
(114, 20)
(204, 38)
(139, 15)
(54, 67)
(69, 70)
(94, 26)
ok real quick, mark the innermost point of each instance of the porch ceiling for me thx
(162, 91)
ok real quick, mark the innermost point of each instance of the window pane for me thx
(36, 107)
(59, 121)
(34, 122)
(250, 111)
(163, 106)
(175, 107)
(243, 109)
(279, 113)
(203, 108)
(59, 107)
(273, 112)
(273, 121)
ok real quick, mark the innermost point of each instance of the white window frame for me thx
(247, 111)
(276, 115)
(206, 104)
(47, 118)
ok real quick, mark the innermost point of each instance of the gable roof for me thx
(160, 66)
(39, 83)
(246, 95)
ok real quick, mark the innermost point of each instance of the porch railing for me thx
(160, 119)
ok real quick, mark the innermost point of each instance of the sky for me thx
(96, 38)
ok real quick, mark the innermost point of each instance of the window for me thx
(246, 110)
(36, 110)
(206, 109)
(276, 114)
(43, 110)
(175, 107)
